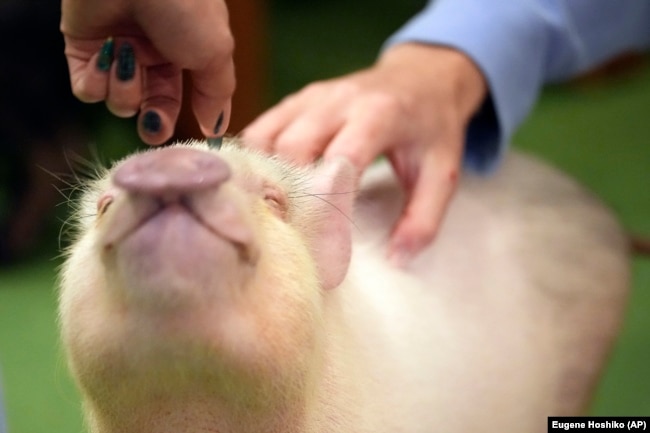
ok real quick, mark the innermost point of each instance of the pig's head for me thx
(195, 287)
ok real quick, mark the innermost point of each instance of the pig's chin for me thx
(172, 259)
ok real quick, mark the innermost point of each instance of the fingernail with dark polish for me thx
(125, 62)
(105, 56)
(219, 124)
(151, 122)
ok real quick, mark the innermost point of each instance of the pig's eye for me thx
(275, 200)
(103, 204)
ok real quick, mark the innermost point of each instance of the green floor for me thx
(600, 134)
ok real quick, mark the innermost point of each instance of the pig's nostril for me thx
(174, 170)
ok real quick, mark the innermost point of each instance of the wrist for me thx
(438, 63)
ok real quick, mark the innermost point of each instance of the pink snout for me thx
(172, 171)
(176, 232)
(178, 182)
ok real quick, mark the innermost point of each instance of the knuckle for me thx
(449, 176)
(416, 233)
(299, 150)
(291, 100)
(430, 229)
(448, 173)
(286, 143)
(166, 104)
(316, 89)
(385, 104)
(226, 48)
(332, 89)
(86, 93)
(425, 230)
(357, 156)
(346, 89)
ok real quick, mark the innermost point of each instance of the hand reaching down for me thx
(131, 54)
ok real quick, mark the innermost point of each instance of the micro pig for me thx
(223, 290)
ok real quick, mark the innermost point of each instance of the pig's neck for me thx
(315, 412)
(311, 414)
(346, 385)
(328, 392)
(317, 416)
(210, 416)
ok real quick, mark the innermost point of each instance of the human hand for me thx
(413, 105)
(153, 40)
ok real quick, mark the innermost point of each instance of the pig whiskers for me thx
(69, 226)
(84, 169)
(64, 230)
(70, 185)
(321, 196)
(76, 181)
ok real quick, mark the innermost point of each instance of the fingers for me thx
(310, 133)
(111, 75)
(263, 131)
(121, 73)
(274, 130)
(153, 91)
(89, 72)
(212, 90)
(161, 103)
(124, 83)
(374, 124)
(305, 125)
(427, 202)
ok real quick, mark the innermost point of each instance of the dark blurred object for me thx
(40, 121)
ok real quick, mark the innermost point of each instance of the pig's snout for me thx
(172, 171)
(171, 194)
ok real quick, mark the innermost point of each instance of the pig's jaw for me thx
(163, 269)
(247, 364)
(319, 408)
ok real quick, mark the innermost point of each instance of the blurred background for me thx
(597, 128)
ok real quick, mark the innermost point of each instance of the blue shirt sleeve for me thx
(520, 45)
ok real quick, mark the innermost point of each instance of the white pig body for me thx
(263, 319)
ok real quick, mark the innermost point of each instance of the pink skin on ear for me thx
(335, 182)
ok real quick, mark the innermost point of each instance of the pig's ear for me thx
(334, 188)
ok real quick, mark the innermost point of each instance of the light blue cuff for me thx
(521, 44)
(505, 38)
